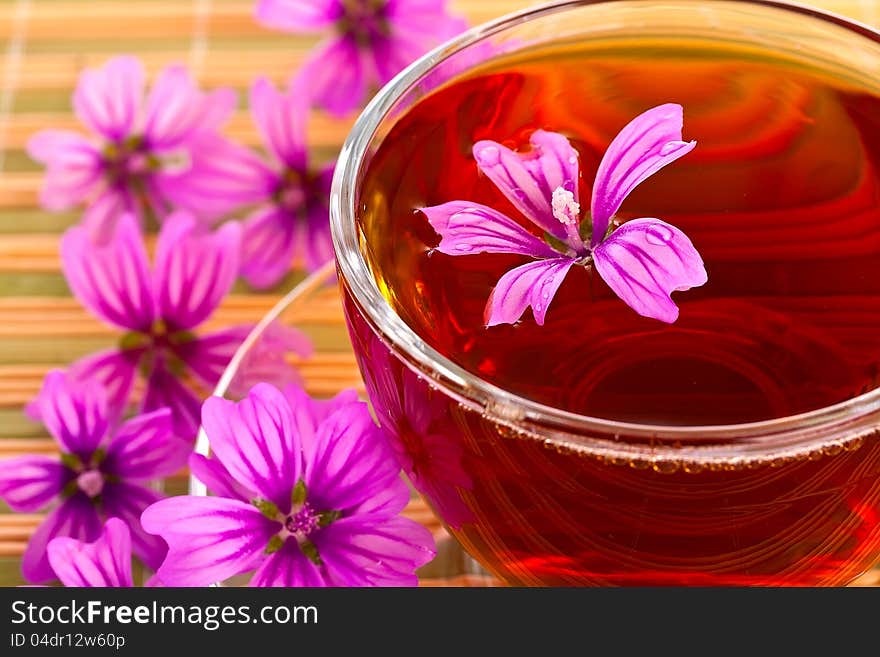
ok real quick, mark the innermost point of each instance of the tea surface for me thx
(781, 197)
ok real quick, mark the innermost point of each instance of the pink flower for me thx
(105, 562)
(159, 308)
(101, 474)
(308, 501)
(643, 261)
(140, 148)
(293, 200)
(373, 41)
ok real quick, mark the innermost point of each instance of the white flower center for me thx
(565, 208)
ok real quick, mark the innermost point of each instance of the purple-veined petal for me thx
(165, 390)
(145, 447)
(533, 284)
(349, 465)
(74, 411)
(106, 562)
(107, 99)
(102, 214)
(288, 567)
(335, 76)
(111, 279)
(258, 441)
(127, 502)
(115, 370)
(298, 15)
(29, 483)
(647, 144)
(194, 269)
(76, 517)
(209, 538)
(644, 261)
(176, 109)
(207, 356)
(281, 121)
(222, 177)
(468, 228)
(317, 244)
(217, 478)
(319, 409)
(217, 107)
(73, 167)
(529, 179)
(416, 27)
(266, 359)
(371, 550)
(267, 246)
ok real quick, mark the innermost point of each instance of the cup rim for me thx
(489, 399)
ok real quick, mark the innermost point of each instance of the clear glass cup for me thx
(541, 496)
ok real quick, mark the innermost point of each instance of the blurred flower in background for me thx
(373, 41)
(106, 562)
(139, 150)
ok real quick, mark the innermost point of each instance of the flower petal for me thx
(115, 370)
(107, 99)
(29, 483)
(74, 411)
(145, 447)
(112, 279)
(288, 567)
(267, 246)
(529, 179)
(265, 360)
(647, 144)
(258, 441)
(106, 562)
(207, 356)
(217, 478)
(75, 517)
(317, 243)
(176, 110)
(165, 390)
(468, 228)
(533, 284)
(102, 214)
(127, 502)
(194, 269)
(350, 466)
(374, 550)
(298, 15)
(210, 538)
(335, 76)
(73, 167)
(281, 121)
(222, 177)
(644, 261)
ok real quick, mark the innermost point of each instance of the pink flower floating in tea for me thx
(104, 562)
(374, 40)
(159, 309)
(102, 471)
(138, 162)
(643, 260)
(306, 500)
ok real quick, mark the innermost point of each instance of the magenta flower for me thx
(140, 148)
(643, 261)
(311, 501)
(105, 562)
(101, 472)
(373, 41)
(293, 216)
(158, 309)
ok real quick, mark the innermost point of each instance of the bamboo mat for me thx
(43, 46)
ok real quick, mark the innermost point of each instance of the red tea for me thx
(782, 199)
